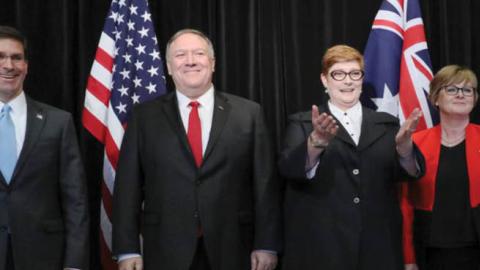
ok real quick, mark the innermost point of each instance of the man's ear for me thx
(169, 68)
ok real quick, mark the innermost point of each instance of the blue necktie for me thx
(8, 143)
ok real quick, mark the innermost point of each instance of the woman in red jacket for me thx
(446, 201)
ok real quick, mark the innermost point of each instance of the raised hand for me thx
(403, 138)
(324, 127)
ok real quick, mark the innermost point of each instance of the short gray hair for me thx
(211, 52)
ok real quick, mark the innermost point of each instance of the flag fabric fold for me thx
(127, 70)
(397, 77)
(397, 63)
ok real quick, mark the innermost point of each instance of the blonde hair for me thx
(451, 74)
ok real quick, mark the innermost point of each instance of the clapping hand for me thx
(324, 126)
(403, 138)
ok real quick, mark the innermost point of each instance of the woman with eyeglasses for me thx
(341, 162)
(446, 200)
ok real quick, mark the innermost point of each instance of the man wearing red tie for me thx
(196, 175)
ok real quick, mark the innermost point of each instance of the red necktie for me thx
(194, 133)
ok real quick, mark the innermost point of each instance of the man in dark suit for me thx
(43, 199)
(201, 163)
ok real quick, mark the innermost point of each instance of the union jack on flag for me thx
(397, 78)
(397, 62)
(127, 70)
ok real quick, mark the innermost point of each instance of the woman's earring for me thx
(326, 91)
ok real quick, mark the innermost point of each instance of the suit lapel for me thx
(370, 131)
(220, 114)
(173, 115)
(221, 111)
(342, 134)
(35, 122)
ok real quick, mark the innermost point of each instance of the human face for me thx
(13, 69)
(458, 104)
(190, 65)
(344, 93)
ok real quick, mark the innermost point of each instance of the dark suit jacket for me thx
(45, 205)
(347, 217)
(234, 193)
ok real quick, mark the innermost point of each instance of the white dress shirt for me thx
(205, 112)
(350, 119)
(19, 118)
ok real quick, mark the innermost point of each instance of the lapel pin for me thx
(220, 107)
(39, 116)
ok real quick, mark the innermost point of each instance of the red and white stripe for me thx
(100, 120)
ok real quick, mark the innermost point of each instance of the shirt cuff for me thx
(123, 257)
(273, 252)
(311, 173)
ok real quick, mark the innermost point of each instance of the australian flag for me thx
(397, 78)
(397, 63)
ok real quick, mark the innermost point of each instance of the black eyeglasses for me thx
(452, 90)
(340, 75)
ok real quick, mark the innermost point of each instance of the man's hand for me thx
(135, 263)
(262, 260)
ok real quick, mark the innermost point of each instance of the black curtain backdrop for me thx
(266, 50)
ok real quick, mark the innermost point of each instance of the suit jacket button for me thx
(356, 200)
(356, 171)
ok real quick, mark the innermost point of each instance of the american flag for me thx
(127, 70)
(397, 63)
(397, 77)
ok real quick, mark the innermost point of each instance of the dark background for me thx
(266, 50)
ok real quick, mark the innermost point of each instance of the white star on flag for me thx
(147, 16)
(144, 32)
(153, 71)
(151, 88)
(155, 54)
(121, 108)
(387, 103)
(135, 98)
(138, 65)
(123, 90)
(138, 82)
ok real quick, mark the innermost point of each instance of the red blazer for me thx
(421, 194)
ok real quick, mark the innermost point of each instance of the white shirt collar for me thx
(205, 111)
(19, 118)
(350, 119)
(355, 112)
(205, 100)
(18, 105)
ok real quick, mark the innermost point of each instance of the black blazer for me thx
(234, 193)
(347, 217)
(44, 207)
